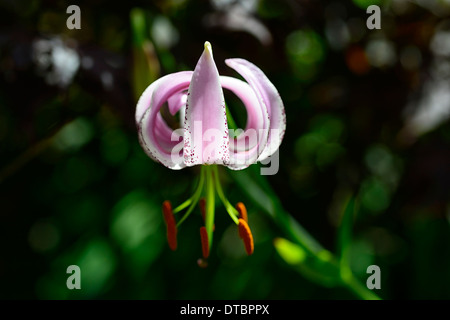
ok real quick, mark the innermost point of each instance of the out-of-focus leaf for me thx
(146, 68)
(135, 227)
(306, 51)
(97, 263)
(364, 4)
(290, 252)
(259, 190)
(74, 135)
(320, 269)
(375, 195)
(345, 235)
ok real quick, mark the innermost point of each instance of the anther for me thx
(240, 207)
(205, 242)
(170, 224)
(246, 236)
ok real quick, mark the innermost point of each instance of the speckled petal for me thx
(245, 149)
(268, 95)
(156, 138)
(205, 127)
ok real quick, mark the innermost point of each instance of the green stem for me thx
(182, 206)
(192, 201)
(230, 209)
(210, 203)
(359, 290)
(258, 189)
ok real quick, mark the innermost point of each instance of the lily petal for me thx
(245, 149)
(164, 134)
(156, 138)
(144, 101)
(177, 101)
(205, 127)
(269, 96)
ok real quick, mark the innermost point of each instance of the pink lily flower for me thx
(205, 137)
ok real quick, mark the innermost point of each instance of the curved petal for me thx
(144, 101)
(246, 147)
(269, 96)
(164, 134)
(256, 113)
(177, 101)
(156, 138)
(205, 127)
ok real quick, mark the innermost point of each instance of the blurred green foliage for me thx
(357, 185)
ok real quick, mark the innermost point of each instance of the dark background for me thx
(367, 114)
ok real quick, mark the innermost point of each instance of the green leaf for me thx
(290, 252)
(301, 251)
(259, 190)
(138, 26)
(146, 67)
(345, 235)
(320, 269)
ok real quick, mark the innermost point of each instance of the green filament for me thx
(192, 201)
(230, 209)
(210, 202)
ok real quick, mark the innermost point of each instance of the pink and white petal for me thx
(205, 127)
(177, 101)
(144, 101)
(164, 134)
(245, 149)
(257, 114)
(156, 138)
(269, 96)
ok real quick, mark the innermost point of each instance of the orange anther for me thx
(240, 207)
(246, 235)
(170, 224)
(205, 242)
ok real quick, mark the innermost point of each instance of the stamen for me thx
(170, 223)
(202, 204)
(205, 243)
(240, 207)
(191, 202)
(246, 236)
(228, 206)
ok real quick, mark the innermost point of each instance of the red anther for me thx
(246, 235)
(170, 224)
(240, 207)
(205, 242)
